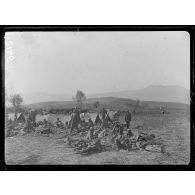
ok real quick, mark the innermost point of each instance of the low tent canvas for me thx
(97, 119)
(112, 114)
(11, 116)
(53, 118)
(93, 116)
(21, 118)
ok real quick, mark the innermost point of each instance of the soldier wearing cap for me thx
(128, 118)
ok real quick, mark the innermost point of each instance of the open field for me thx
(173, 128)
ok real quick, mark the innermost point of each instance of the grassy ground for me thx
(173, 128)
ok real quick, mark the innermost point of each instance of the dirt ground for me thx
(173, 128)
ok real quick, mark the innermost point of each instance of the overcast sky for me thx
(62, 62)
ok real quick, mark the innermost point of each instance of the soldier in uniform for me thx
(75, 119)
(90, 123)
(28, 125)
(128, 118)
(90, 134)
(104, 114)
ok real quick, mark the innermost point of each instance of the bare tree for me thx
(80, 97)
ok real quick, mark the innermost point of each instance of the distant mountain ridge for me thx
(159, 93)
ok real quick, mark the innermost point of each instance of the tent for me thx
(108, 117)
(112, 114)
(53, 118)
(97, 119)
(85, 116)
(21, 118)
(11, 116)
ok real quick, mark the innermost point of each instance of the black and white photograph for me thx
(97, 97)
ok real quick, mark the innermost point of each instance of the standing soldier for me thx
(75, 119)
(90, 134)
(104, 113)
(28, 125)
(128, 118)
(33, 115)
(58, 122)
(90, 122)
(15, 116)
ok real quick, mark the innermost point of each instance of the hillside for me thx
(151, 93)
(157, 93)
(110, 103)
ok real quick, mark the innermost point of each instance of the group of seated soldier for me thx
(59, 123)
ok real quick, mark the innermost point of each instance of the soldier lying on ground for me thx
(145, 137)
(146, 140)
(47, 130)
(92, 147)
(81, 144)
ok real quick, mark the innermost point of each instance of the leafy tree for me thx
(80, 97)
(16, 101)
